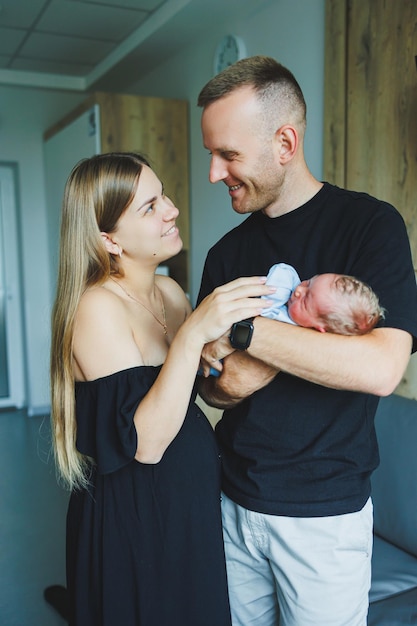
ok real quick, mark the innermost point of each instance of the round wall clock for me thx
(229, 50)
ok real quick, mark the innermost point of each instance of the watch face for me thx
(229, 50)
(241, 334)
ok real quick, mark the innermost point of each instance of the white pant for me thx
(318, 569)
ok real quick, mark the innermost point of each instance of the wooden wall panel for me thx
(381, 150)
(334, 148)
(371, 109)
(156, 127)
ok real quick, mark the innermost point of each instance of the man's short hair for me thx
(274, 85)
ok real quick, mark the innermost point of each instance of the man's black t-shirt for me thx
(296, 448)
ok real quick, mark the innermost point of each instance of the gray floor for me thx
(32, 530)
(32, 522)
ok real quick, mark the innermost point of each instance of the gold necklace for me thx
(164, 323)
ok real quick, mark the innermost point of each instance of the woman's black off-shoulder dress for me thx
(144, 543)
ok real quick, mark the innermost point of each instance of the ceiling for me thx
(85, 44)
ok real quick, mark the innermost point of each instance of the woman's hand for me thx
(228, 304)
(213, 354)
(169, 396)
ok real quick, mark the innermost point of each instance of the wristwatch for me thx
(241, 334)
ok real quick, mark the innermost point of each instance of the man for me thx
(298, 447)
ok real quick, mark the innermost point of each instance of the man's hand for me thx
(213, 354)
(241, 376)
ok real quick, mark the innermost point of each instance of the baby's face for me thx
(312, 299)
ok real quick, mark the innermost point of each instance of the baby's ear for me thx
(321, 329)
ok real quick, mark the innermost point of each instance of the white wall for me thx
(292, 31)
(24, 115)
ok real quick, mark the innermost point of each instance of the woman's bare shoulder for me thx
(103, 338)
(101, 305)
(177, 305)
(171, 289)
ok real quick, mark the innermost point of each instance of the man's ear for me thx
(111, 246)
(286, 142)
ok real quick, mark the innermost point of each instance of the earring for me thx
(120, 251)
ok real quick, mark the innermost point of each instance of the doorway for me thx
(12, 380)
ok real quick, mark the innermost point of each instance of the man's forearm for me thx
(372, 363)
(241, 376)
(212, 393)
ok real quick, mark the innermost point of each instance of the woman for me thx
(144, 543)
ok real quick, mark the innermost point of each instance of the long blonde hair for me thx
(97, 192)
